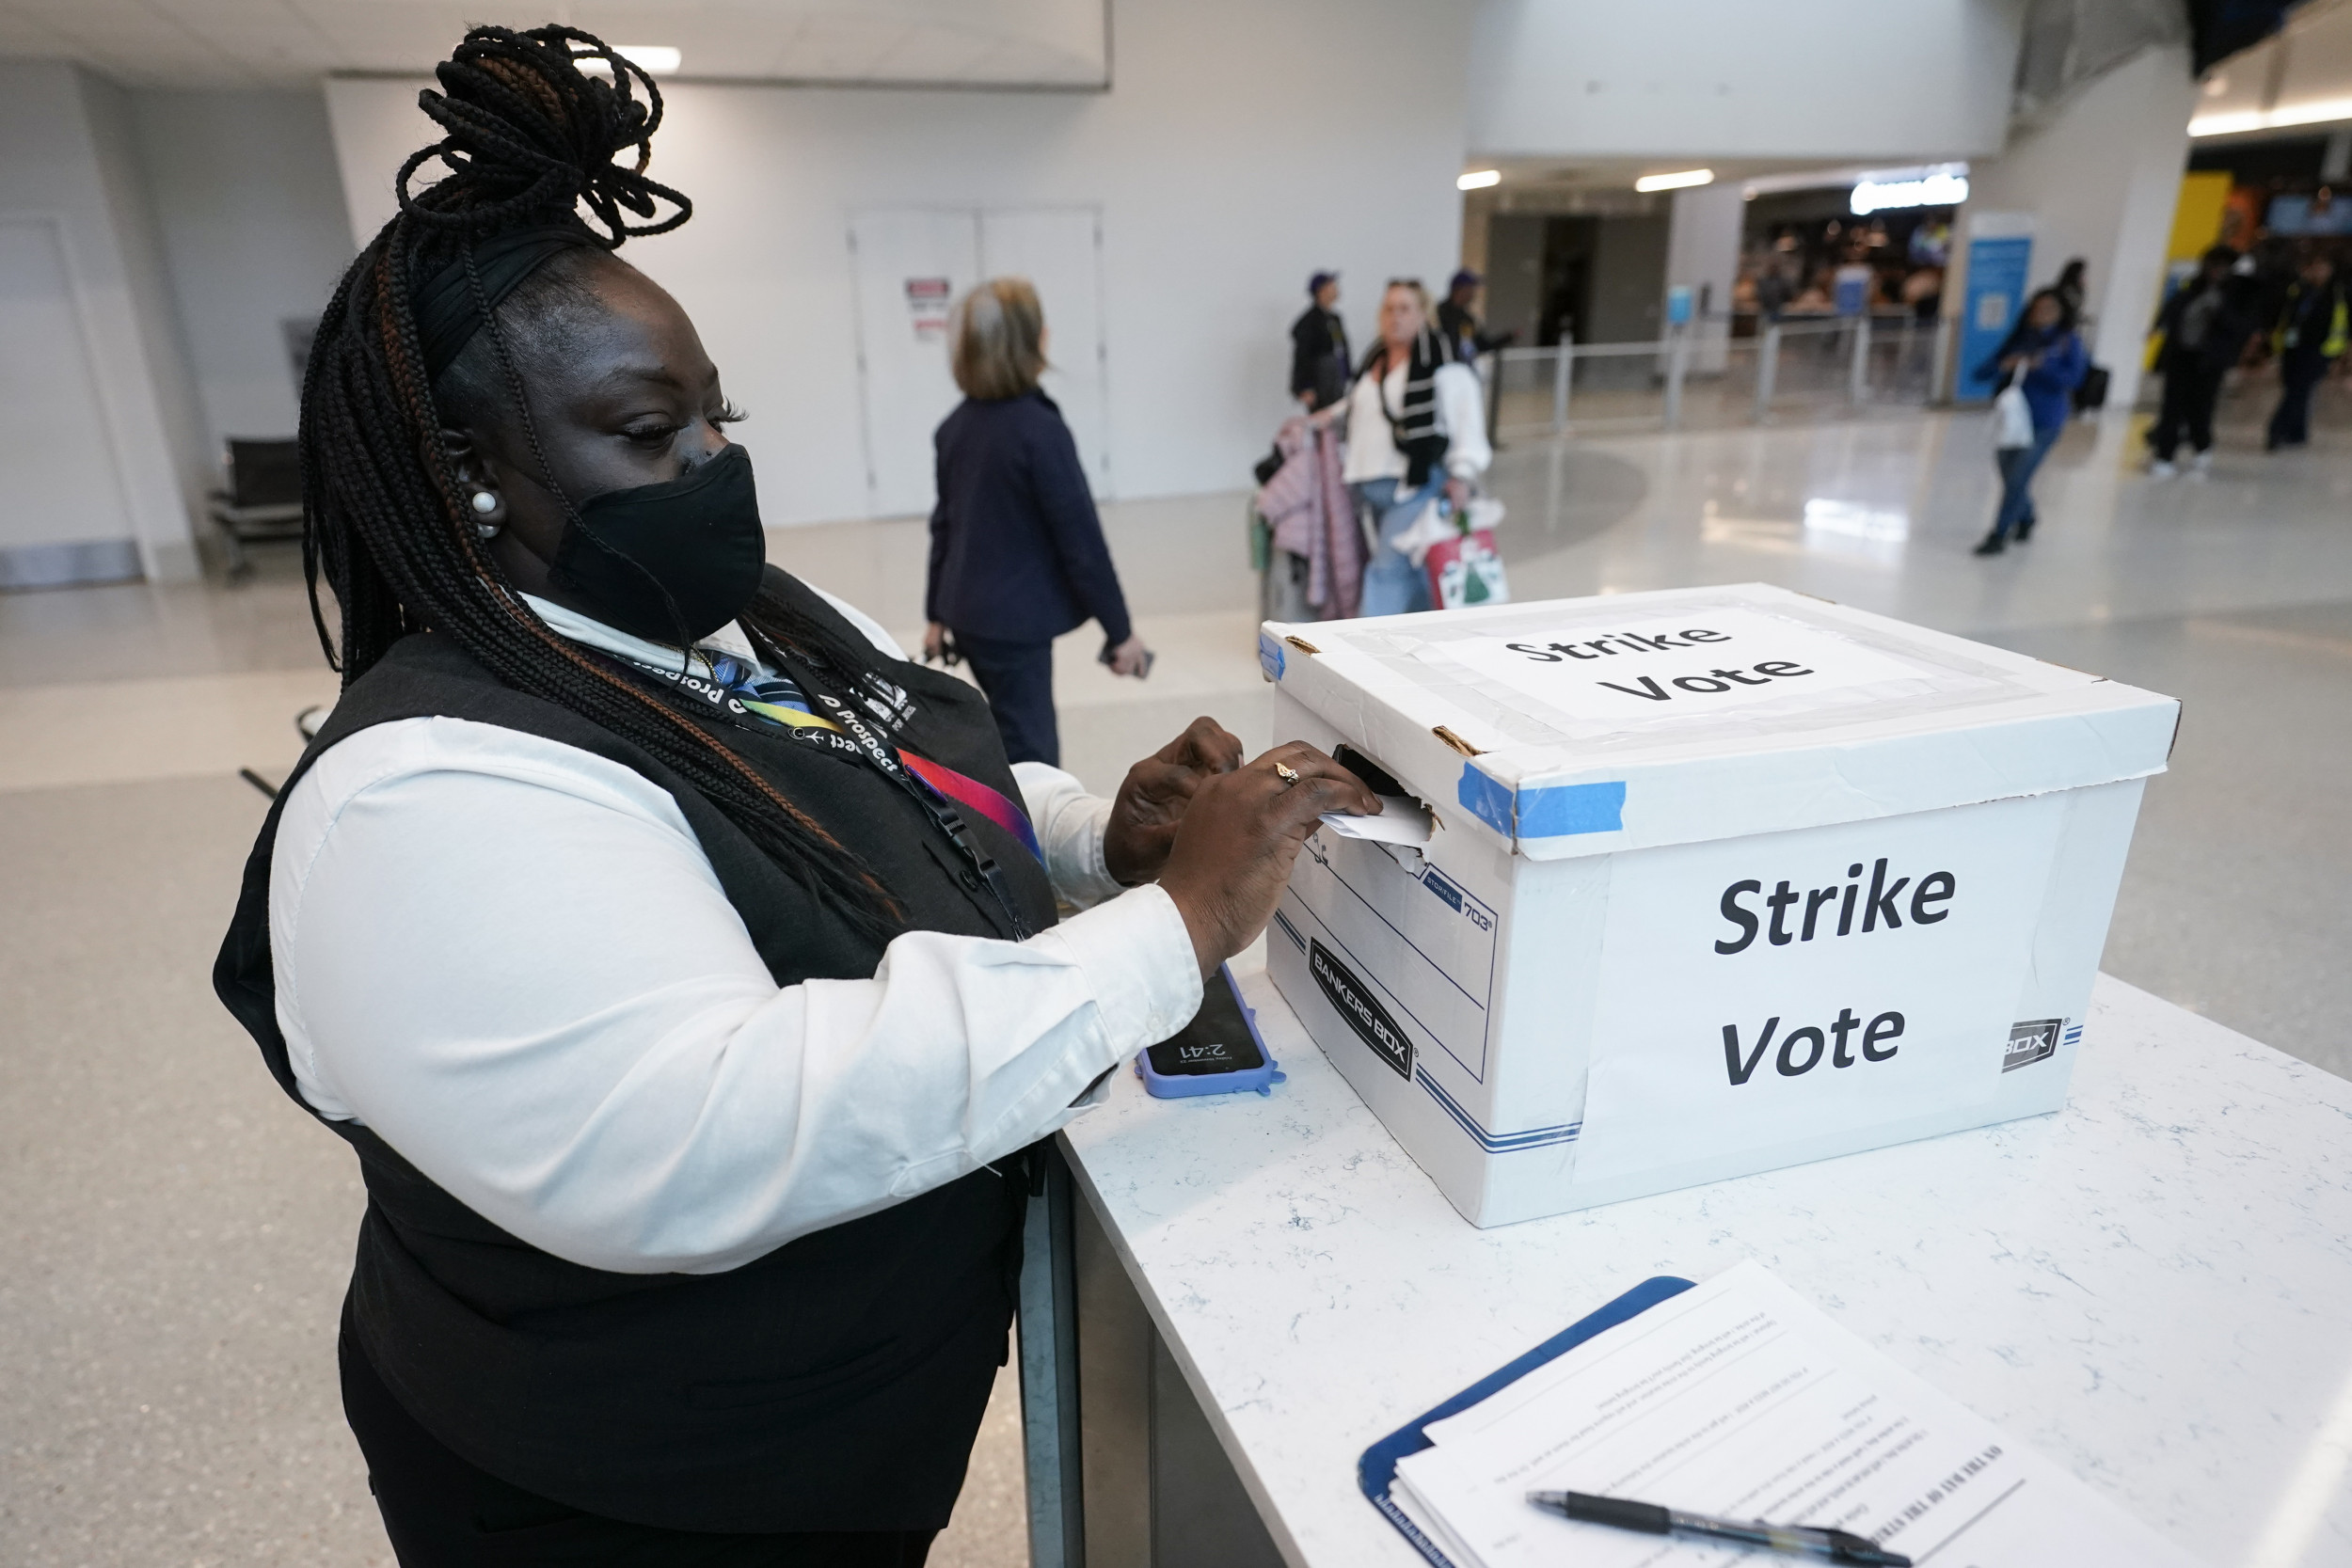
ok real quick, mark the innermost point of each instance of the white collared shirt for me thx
(512, 961)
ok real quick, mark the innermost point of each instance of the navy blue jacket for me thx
(1017, 552)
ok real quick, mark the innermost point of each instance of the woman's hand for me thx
(1457, 491)
(1239, 835)
(1151, 802)
(1130, 658)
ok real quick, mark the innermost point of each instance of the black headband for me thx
(447, 315)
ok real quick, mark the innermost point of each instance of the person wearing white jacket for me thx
(1416, 429)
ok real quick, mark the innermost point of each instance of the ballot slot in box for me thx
(1719, 880)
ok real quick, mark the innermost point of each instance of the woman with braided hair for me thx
(680, 960)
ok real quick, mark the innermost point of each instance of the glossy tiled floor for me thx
(177, 1234)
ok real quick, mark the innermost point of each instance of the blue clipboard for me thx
(1376, 1470)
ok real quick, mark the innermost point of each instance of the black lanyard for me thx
(884, 758)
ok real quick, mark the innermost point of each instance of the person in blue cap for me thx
(1320, 365)
(1459, 322)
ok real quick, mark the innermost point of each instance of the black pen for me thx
(1830, 1545)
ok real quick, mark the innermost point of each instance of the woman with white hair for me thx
(1017, 552)
(1416, 430)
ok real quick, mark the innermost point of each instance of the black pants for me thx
(2190, 391)
(443, 1513)
(2291, 425)
(1018, 678)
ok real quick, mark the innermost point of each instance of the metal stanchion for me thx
(1493, 378)
(1939, 388)
(1561, 363)
(1858, 374)
(1678, 365)
(1767, 371)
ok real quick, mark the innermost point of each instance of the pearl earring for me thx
(485, 506)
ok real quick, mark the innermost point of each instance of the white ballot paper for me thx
(1739, 1399)
(1401, 821)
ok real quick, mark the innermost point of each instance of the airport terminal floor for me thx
(180, 1235)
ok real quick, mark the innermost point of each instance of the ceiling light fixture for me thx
(656, 60)
(1688, 177)
(2311, 113)
(1478, 179)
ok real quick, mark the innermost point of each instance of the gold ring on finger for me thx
(1289, 775)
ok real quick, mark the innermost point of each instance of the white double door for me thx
(911, 264)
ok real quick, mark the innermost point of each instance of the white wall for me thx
(147, 277)
(250, 214)
(65, 153)
(2102, 179)
(1731, 78)
(1240, 146)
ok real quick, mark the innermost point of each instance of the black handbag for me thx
(2092, 390)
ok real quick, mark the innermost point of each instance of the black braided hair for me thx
(530, 140)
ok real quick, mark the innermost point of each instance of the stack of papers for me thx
(1740, 1400)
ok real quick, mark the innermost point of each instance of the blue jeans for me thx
(2017, 468)
(1393, 584)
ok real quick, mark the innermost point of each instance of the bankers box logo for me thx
(2034, 1040)
(1363, 1015)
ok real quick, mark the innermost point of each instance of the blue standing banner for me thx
(1852, 290)
(2000, 252)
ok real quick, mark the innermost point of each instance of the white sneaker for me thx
(2159, 468)
(2201, 466)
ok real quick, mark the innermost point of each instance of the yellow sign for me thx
(2196, 217)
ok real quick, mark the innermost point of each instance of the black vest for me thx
(834, 1384)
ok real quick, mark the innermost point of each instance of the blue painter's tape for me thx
(1554, 812)
(1485, 799)
(1270, 657)
(1565, 809)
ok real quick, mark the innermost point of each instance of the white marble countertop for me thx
(2154, 1286)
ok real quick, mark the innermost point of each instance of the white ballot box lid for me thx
(1587, 726)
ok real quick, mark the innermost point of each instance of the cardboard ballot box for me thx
(1715, 880)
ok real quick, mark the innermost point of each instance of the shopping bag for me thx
(1435, 525)
(2013, 418)
(2091, 391)
(1466, 570)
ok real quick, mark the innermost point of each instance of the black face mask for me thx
(670, 563)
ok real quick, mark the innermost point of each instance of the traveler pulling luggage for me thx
(1416, 430)
(1415, 445)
